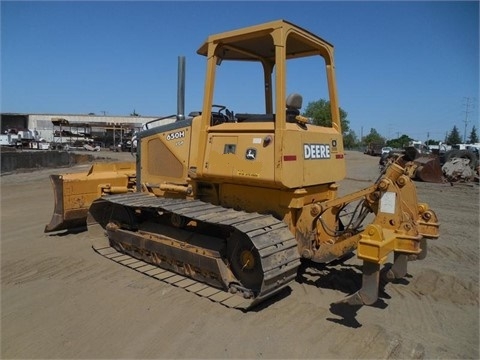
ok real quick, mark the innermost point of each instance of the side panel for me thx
(311, 157)
(236, 155)
(164, 153)
(222, 155)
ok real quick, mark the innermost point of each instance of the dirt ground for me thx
(59, 299)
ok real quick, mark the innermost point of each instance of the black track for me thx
(274, 246)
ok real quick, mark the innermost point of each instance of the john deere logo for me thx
(316, 151)
(251, 154)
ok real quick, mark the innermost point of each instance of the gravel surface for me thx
(59, 299)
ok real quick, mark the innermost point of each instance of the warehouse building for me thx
(69, 129)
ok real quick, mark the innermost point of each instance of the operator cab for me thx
(293, 106)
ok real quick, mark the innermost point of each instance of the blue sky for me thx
(401, 67)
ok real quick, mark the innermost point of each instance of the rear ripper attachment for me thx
(232, 257)
(401, 226)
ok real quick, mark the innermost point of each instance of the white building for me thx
(52, 126)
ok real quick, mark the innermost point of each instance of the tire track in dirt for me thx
(464, 256)
(431, 308)
(444, 287)
(54, 267)
(375, 341)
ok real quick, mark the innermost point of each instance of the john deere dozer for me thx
(226, 204)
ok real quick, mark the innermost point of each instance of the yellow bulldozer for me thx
(226, 205)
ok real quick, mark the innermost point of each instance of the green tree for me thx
(350, 140)
(373, 137)
(321, 114)
(454, 137)
(473, 138)
(400, 142)
(432, 142)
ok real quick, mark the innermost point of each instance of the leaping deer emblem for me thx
(251, 154)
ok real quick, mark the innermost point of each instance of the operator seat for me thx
(294, 104)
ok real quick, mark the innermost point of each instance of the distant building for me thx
(50, 127)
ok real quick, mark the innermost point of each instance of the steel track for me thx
(275, 244)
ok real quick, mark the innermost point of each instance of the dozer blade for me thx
(428, 169)
(75, 192)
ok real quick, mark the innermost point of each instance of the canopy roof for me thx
(256, 43)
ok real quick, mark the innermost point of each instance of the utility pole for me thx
(467, 111)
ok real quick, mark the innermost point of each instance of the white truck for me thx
(25, 139)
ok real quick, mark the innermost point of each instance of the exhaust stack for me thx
(181, 89)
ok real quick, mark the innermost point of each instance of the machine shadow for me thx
(282, 294)
(346, 278)
(72, 231)
(337, 275)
